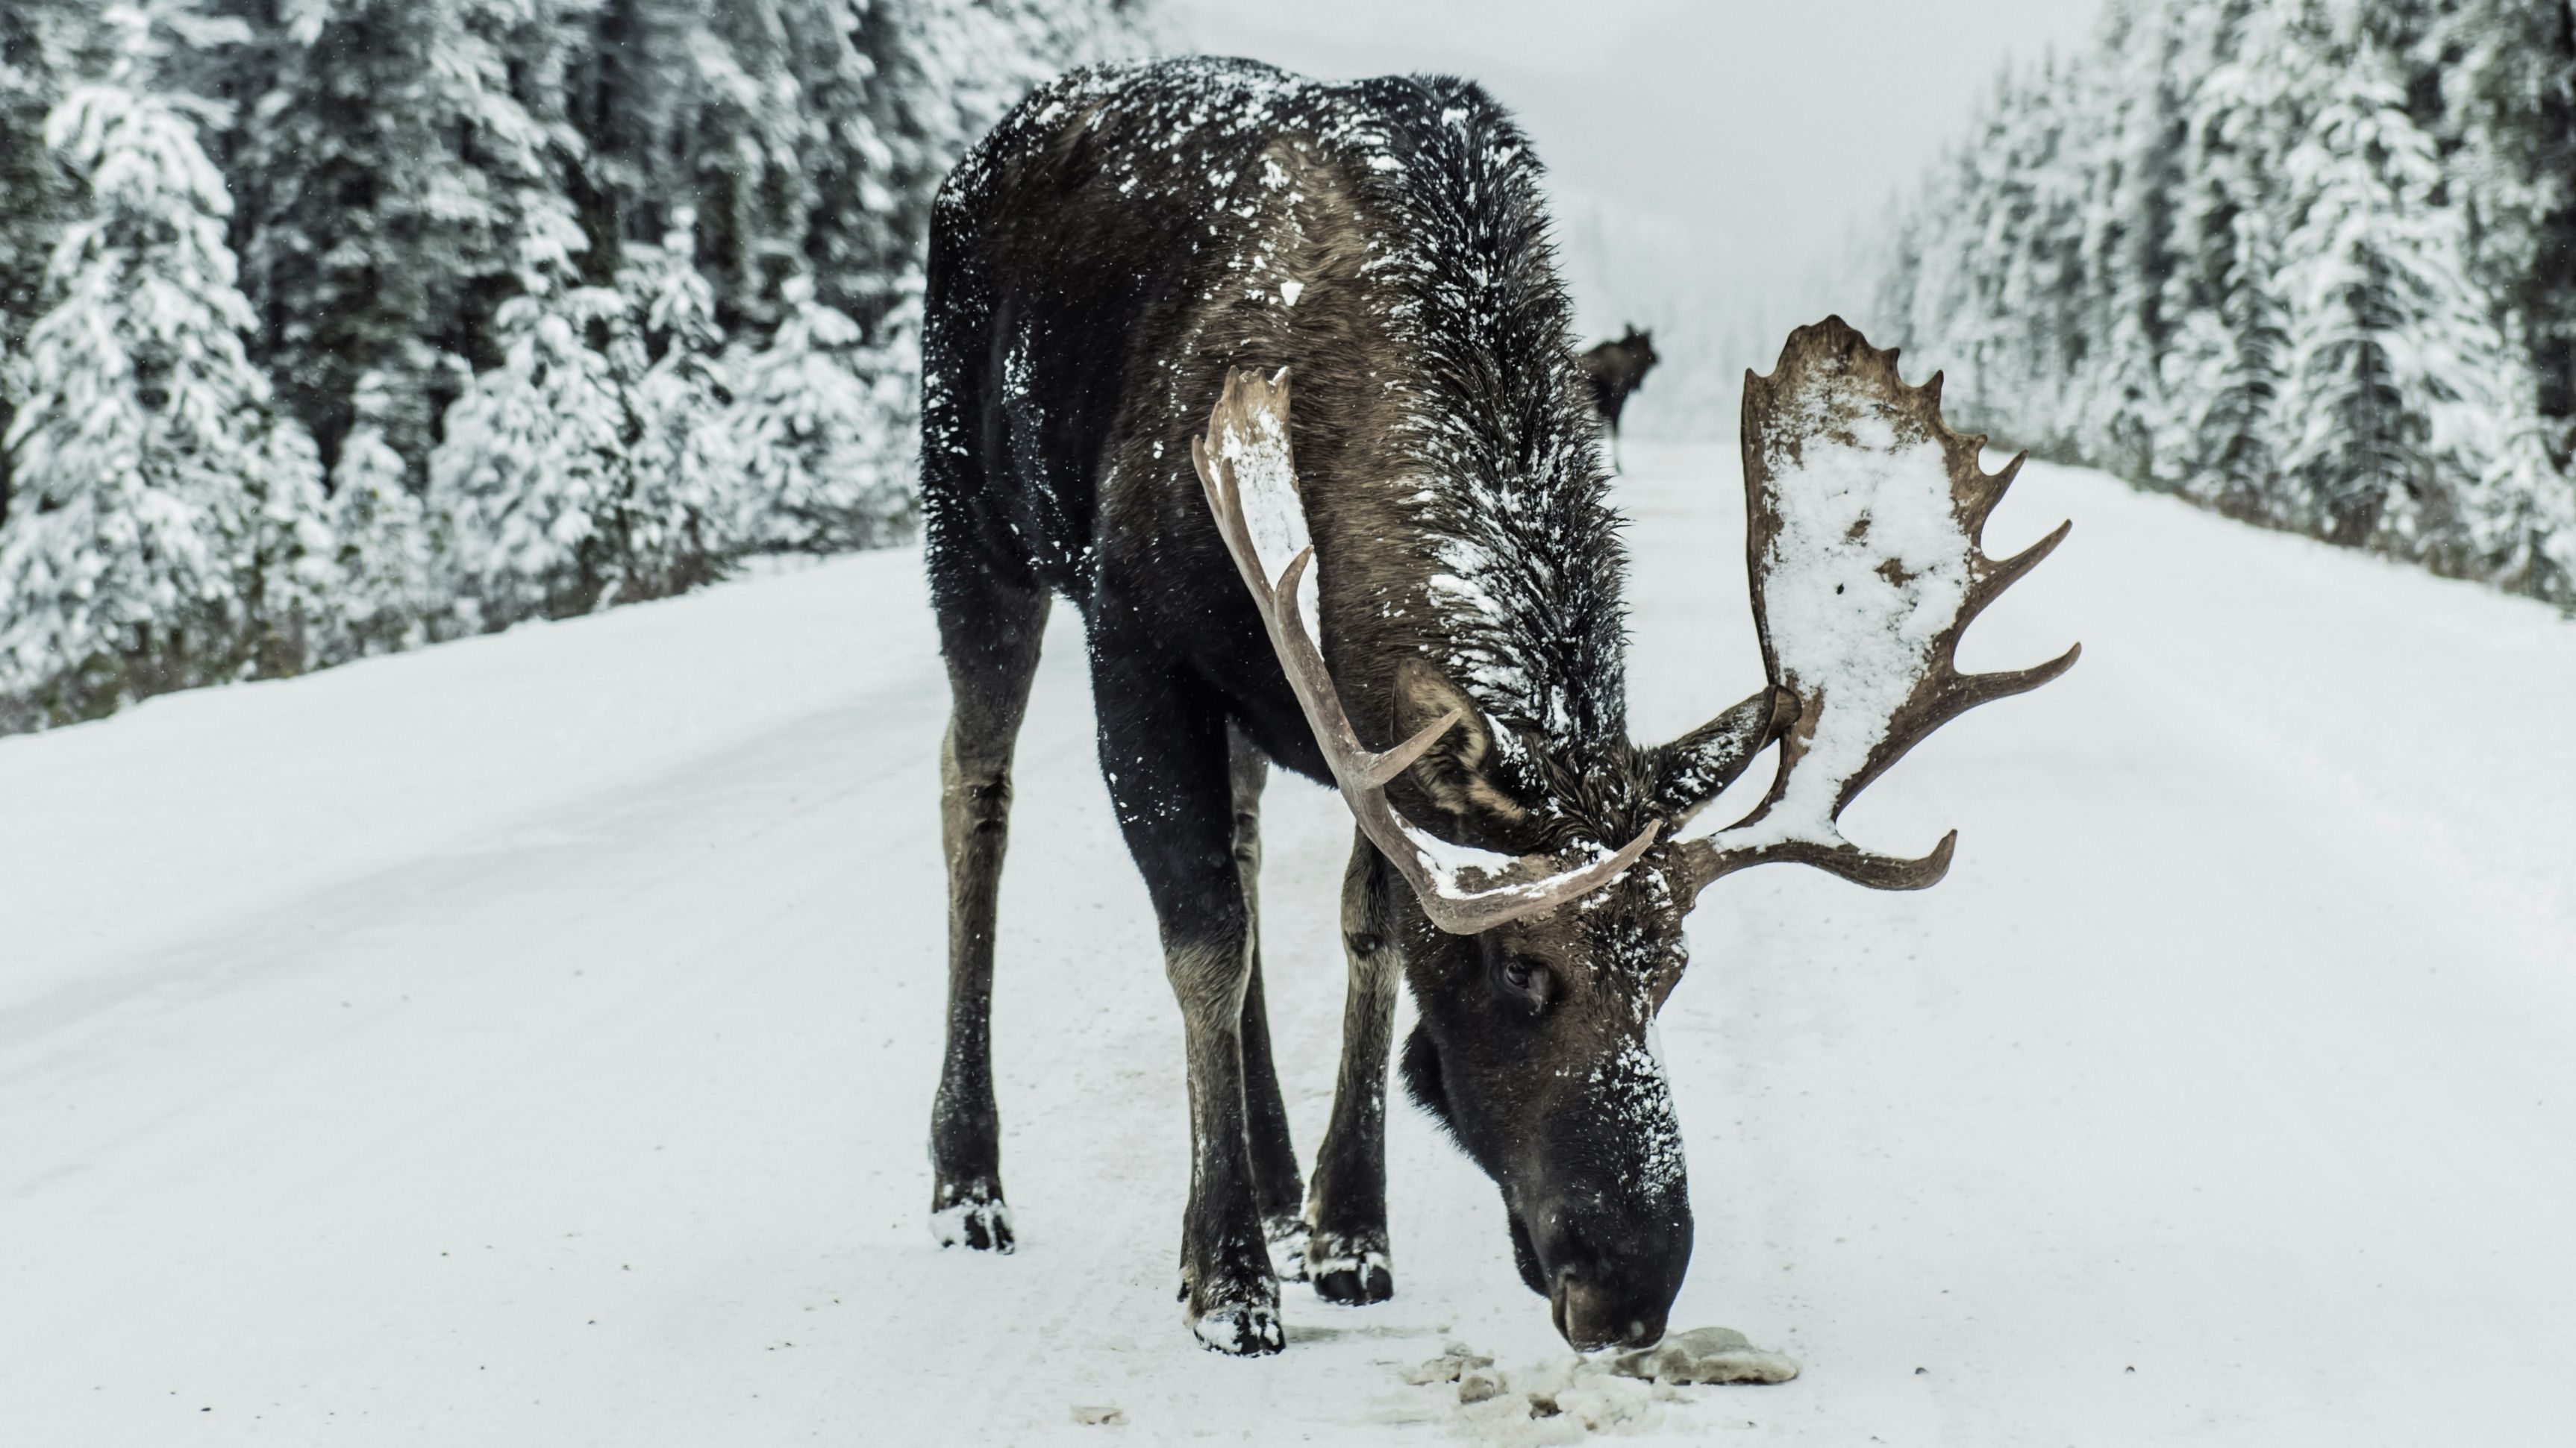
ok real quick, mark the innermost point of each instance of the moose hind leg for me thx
(1164, 748)
(1276, 1189)
(1346, 1252)
(989, 632)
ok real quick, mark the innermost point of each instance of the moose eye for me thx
(1524, 982)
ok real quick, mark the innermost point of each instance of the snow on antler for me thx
(1249, 472)
(1864, 518)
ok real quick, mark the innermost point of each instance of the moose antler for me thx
(1250, 476)
(1864, 515)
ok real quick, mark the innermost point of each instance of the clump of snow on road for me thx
(1870, 565)
(1706, 1355)
(1566, 1399)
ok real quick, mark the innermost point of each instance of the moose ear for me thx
(1696, 768)
(1455, 773)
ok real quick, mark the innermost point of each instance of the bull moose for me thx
(1405, 585)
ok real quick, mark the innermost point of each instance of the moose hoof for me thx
(1239, 1330)
(1287, 1238)
(973, 1217)
(1349, 1270)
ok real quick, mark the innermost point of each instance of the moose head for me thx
(1545, 926)
(1640, 347)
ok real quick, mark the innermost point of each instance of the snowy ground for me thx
(531, 1041)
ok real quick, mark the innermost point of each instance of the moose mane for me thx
(1497, 438)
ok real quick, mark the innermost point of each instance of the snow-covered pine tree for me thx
(532, 457)
(1981, 336)
(164, 522)
(335, 162)
(822, 425)
(37, 43)
(2222, 374)
(2042, 262)
(687, 506)
(751, 196)
(2506, 77)
(2392, 353)
(596, 464)
(383, 591)
(1994, 258)
(1892, 251)
(525, 487)
(382, 159)
(2128, 245)
(2520, 517)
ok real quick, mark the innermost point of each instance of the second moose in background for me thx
(1617, 368)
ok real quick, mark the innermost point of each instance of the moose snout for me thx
(1591, 1314)
(1610, 1280)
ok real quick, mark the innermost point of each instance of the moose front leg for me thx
(989, 633)
(1346, 1251)
(1226, 1275)
(1165, 749)
(1275, 1186)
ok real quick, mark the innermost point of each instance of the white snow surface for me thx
(531, 1040)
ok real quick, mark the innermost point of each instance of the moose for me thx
(1406, 585)
(1617, 368)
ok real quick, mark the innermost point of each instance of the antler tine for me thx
(1967, 691)
(1247, 440)
(1865, 515)
(1993, 578)
(1978, 491)
(1878, 872)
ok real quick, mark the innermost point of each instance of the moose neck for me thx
(1505, 532)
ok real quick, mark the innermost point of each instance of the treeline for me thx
(330, 327)
(2311, 264)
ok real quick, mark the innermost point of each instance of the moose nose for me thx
(1610, 1276)
(1591, 1314)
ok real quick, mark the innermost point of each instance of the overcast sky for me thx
(1769, 125)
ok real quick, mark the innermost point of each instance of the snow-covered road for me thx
(531, 1041)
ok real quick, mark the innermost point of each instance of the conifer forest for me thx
(2311, 264)
(336, 326)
